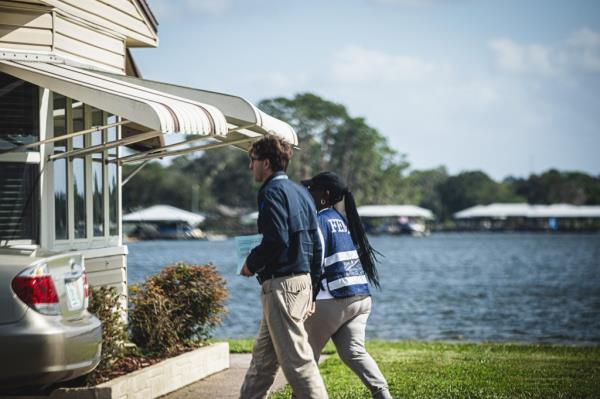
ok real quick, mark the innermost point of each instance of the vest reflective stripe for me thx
(341, 257)
(279, 177)
(341, 266)
(347, 281)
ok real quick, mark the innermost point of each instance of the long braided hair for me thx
(366, 253)
(336, 189)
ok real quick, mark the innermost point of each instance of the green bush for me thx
(106, 304)
(177, 308)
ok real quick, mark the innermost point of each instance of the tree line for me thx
(331, 139)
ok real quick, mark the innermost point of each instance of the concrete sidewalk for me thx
(226, 384)
(223, 385)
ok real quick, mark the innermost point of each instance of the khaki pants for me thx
(282, 341)
(344, 320)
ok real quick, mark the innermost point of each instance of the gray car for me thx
(46, 333)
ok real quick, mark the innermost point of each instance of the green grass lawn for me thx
(466, 370)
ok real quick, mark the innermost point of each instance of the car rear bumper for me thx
(40, 349)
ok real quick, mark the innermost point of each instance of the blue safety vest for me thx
(343, 272)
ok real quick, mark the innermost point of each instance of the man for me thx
(287, 263)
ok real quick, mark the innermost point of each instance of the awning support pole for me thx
(141, 155)
(100, 147)
(156, 150)
(64, 137)
(191, 149)
(135, 171)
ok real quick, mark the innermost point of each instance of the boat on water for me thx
(163, 222)
(396, 219)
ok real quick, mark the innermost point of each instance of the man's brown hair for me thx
(275, 149)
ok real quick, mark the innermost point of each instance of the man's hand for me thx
(311, 309)
(246, 272)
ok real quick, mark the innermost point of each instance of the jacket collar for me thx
(273, 176)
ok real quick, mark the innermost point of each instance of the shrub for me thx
(150, 320)
(106, 304)
(177, 308)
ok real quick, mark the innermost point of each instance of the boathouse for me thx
(162, 222)
(396, 219)
(506, 217)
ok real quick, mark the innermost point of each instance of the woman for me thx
(343, 303)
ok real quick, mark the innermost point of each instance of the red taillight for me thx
(36, 288)
(86, 286)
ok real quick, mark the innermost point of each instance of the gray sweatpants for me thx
(344, 320)
(282, 341)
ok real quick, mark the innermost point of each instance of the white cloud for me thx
(584, 46)
(579, 52)
(513, 57)
(435, 111)
(356, 64)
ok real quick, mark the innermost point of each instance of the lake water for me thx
(472, 287)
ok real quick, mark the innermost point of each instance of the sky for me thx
(506, 87)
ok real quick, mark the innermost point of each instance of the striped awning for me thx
(152, 106)
(155, 110)
(238, 111)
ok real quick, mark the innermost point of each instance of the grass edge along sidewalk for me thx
(466, 370)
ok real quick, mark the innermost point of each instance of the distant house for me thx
(162, 222)
(396, 219)
(562, 217)
(71, 100)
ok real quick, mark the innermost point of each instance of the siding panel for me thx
(105, 263)
(89, 36)
(100, 9)
(25, 35)
(89, 62)
(25, 47)
(107, 271)
(107, 277)
(24, 4)
(25, 18)
(102, 15)
(89, 52)
(126, 6)
(23, 28)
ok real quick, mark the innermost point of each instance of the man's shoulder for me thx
(301, 192)
(276, 191)
(274, 188)
(282, 188)
(282, 185)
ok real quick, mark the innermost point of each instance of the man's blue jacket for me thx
(287, 219)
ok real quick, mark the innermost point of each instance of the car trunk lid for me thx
(54, 285)
(70, 281)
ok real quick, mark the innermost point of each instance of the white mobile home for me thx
(71, 98)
